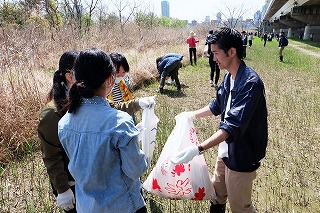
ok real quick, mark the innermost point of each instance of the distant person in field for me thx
(243, 128)
(214, 68)
(244, 43)
(191, 41)
(283, 42)
(311, 36)
(265, 38)
(100, 141)
(169, 65)
(250, 39)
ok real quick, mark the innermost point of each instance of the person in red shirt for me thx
(191, 41)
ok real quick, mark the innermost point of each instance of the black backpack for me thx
(285, 41)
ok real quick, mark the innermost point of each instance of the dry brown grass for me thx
(288, 180)
(30, 55)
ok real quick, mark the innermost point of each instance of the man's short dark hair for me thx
(158, 61)
(227, 38)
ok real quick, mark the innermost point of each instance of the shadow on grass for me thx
(172, 92)
(154, 207)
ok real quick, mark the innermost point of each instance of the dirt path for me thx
(301, 47)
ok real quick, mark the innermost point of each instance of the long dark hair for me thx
(59, 89)
(92, 68)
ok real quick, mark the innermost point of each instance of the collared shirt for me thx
(105, 159)
(246, 123)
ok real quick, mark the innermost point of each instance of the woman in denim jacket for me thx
(101, 142)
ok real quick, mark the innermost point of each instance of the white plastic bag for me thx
(182, 181)
(149, 125)
(205, 52)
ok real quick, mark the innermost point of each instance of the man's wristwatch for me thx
(201, 150)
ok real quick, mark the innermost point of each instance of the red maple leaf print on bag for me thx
(190, 181)
(155, 185)
(178, 169)
(200, 194)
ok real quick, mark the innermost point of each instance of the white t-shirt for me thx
(223, 146)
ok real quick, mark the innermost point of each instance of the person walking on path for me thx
(191, 41)
(214, 68)
(283, 42)
(243, 129)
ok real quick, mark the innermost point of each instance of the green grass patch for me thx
(288, 180)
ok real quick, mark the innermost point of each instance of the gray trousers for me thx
(173, 71)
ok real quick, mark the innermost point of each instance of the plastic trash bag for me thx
(148, 130)
(205, 52)
(182, 181)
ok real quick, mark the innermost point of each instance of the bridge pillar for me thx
(289, 35)
(306, 34)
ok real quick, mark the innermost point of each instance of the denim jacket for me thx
(247, 122)
(105, 159)
(168, 60)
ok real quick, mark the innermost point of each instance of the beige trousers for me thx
(234, 186)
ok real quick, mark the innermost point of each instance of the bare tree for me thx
(122, 6)
(53, 16)
(92, 7)
(234, 15)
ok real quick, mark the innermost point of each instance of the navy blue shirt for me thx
(247, 122)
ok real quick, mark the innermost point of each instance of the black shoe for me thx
(281, 58)
(160, 90)
(217, 208)
(179, 88)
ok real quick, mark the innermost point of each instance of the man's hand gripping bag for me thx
(189, 181)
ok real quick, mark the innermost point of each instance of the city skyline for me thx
(193, 10)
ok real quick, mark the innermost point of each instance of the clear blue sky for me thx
(198, 9)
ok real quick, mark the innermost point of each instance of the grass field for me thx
(287, 181)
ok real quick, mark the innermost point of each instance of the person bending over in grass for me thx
(243, 130)
(54, 156)
(101, 142)
(169, 65)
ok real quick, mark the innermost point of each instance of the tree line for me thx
(81, 15)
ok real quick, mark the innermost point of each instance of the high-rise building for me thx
(207, 19)
(165, 10)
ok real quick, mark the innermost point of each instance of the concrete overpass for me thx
(294, 17)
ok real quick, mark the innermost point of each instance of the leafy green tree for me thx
(10, 14)
(38, 20)
(177, 23)
(144, 20)
(52, 14)
(172, 23)
(164, 21)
